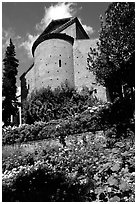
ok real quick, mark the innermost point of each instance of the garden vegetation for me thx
(73, 147)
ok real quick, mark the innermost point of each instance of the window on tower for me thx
(59, 63)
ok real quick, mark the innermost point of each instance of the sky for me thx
(23, 22)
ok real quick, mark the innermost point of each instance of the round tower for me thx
(53, 60)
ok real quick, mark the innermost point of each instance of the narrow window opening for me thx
(59, 63)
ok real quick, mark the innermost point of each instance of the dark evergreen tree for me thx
(113, 62)
(9, 106)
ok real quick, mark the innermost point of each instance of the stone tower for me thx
(60, 55)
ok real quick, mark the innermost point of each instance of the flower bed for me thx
(84, 171)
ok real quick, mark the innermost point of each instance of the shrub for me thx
(60, 128)
(119, 115)
(62, 102)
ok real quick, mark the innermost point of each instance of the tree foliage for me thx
(113, 62)
(9, 83)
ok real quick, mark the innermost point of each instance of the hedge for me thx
(53, 129)
(101, 117)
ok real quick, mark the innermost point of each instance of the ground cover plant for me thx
(87, 169)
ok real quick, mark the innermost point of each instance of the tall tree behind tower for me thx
(114, 61)
(9, 84)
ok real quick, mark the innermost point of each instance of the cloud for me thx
(28, 43)
(55, 11)
(58, 11)
(88, 29)
(6, 35)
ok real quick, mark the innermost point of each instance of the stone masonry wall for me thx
(82, 76)
(53, 63)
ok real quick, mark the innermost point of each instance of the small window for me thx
(59, 63)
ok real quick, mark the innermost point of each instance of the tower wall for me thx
(53, 63)
(82, 76)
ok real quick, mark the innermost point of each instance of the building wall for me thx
(71, 30)
(46, 70)
(82, 76)
(53, 63)
(56, 60)
(30, 80)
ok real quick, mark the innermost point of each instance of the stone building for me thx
(60, 55)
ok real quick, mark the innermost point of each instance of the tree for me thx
(113, 62)
(9, 106)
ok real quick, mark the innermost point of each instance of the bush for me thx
(62, 102)
(119, 115)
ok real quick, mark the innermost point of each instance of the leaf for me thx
(119, 144)
(115, 150)
(114, 199)
(115, 167)
(112, 181)
(109, 189)
(123, 186)
(96, 177)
